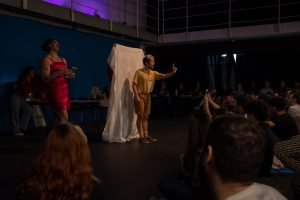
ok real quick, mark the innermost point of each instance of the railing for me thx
(190, 15)
(162, 17)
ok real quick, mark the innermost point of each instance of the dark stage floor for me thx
(127, 170)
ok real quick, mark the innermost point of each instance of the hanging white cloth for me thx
(121, 119)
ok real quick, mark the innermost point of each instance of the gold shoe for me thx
(144, 141)
(151, 139)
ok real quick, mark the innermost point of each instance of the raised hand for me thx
(174, 69)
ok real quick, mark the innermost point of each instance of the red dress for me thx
(58, 88)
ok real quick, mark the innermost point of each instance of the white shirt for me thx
(258, 191)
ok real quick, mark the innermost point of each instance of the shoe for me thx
(19, 134)
(143, 141)
(151, 139)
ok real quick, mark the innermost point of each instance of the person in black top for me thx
(282, 125)
(258, 112)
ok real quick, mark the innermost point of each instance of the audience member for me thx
(96, 93)
(282, 125)
(293, 98)
(183, 187)
(288, 152)
(21, 110)
(231, 159)
(266, 90)
(282, 88)
(258, 112)
(239, 91)
(180, 91)
(63, 169)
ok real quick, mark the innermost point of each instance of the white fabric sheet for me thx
(121, 119)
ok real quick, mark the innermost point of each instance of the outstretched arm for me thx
(167, 75)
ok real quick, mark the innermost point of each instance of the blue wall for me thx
(21, 41)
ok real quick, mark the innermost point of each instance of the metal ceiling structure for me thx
(168, 21)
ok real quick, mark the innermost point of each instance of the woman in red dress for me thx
(56, 74)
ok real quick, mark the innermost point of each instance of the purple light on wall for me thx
(89, 7)
(64, 3)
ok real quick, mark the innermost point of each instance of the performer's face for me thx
(151, 63)
(54, 45)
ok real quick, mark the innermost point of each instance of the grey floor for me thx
(127, 171)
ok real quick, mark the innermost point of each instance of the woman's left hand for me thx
(70, 74)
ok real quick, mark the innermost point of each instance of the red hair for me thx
(63, 169)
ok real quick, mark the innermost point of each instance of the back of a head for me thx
(259, 109)
(238, 148)
(279, 103)
(63, 169)
(67, 139)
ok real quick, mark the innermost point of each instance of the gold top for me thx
(145, 79)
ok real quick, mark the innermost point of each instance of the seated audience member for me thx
(230, 161)
(21, 110)
(239, 91)
(196, 94)
(288, 152)
(163, 91)
(293, 99)
(225, 90)
(63, 169)
(196, 91)
(281, 90)
(266, 90)
(257, 113)
(252, 88)
(96, 93)
(180, 91)
(198, 125)
(183, 187)
(282, 125)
